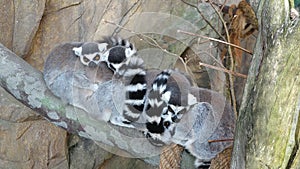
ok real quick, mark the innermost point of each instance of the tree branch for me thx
(267, 131)
(27, 85)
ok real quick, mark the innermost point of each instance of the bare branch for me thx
(27, 85)
(220, 140)
(147, 38)
(231, 80)
(216, 40)
(224, 70)
(203, 17)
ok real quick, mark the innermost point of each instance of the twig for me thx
(153, 42)
(221, 6)
(203, 17)
(231, 80)
(215, 59)
(224, 70)
(216, 40)
(230, 77)
(124, 15)
(221, 140)
(184, 64)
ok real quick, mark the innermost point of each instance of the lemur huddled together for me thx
(109, 81)
(159, 103)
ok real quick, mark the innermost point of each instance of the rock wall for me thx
(32, 28)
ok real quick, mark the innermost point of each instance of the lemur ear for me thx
(102, 47)
(166, 96)
(191, 99)
(77, 51)
(129, 51)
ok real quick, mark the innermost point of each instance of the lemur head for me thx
(159, 133)
(168, 102)
(116, 56)
(90, 53)
(112, 50)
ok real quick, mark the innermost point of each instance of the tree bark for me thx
(267, 132)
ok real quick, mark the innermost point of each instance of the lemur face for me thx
(114, 51)
(173, 114)
(160, 134)
(90, 53)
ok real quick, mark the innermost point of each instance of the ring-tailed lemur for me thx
(165, 107)
(119, 56)
(112, 50)
(119, 51)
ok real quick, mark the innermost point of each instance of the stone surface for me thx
(27, 17)
(32, 144)
(7, 22)
(26, 140)
(32, 29)
(13, 111)
(116, 162)
(20, 20)
(85, 153)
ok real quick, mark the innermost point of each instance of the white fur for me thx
(131, 72)
(166, 96)
(134, 88)
(133, 115)
(155, 102)
(134, 102)
(102, 47)
(77, 51)
(191, 99)
(153, 119)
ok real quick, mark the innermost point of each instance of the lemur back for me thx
(73, 82)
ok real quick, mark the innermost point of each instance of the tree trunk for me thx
(267, 132)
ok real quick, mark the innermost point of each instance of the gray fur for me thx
(84, 87)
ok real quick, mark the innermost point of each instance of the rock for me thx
(32, 144)
(7, 22)
(85, 153)
(14, 111)
(58, 25)
(26, 23)
(117, 162)
(32, 29)
(20, 20)
(26, 140)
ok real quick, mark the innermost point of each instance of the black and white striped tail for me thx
(158, 99)
(113, 41)
(120, 57)
(134, 76)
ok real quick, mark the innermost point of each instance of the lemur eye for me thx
(86, 59)
(175, 119)
(96, 58)
(167, 124)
